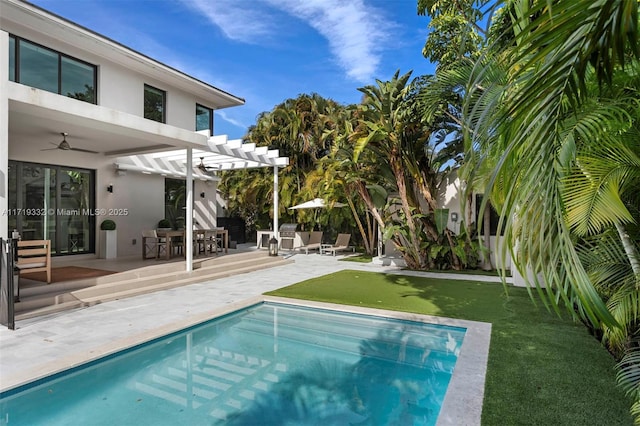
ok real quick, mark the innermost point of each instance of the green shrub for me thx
(164, 223)
(108, 225)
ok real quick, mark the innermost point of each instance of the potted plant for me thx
(164, 225)
(108, 240)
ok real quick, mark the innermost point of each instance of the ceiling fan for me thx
(64, 145)
(203, 168)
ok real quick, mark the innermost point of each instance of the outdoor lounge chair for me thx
(314, 243)
(342, 244)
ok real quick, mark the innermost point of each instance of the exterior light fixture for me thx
(110, 188)
(454, 217)
(273, 247)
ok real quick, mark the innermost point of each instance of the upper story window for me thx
(204, 118)
(46, 69)
(12, 59)
(154, 104)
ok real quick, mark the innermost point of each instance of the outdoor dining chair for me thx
(151, 243)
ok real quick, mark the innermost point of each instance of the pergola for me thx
(202, 163)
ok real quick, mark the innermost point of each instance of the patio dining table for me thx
(170, 235)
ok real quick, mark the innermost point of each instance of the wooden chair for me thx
(35, 256)
(199, 245)
(152, 243)
(211, 242)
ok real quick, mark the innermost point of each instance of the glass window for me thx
(12, 59)
(175, 201)
(204, 118)
(54, 203)
(46, 69)
(154, 104)
(77, 80)
(38, 67)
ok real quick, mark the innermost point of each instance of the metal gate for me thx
(7, 285)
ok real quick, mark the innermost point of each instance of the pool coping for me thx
(462, 403)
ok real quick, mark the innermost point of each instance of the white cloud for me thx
(356, 32)
(238, 20)
(222, 114)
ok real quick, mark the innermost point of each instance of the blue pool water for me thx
(269, 364)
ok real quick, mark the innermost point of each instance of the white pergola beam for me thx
(220, 153)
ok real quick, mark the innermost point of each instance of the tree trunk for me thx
(366, 197)
(454, 257)
(365, 238)
(414, 244)
(630, 249)
(486, 238)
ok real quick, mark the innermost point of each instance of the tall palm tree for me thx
(382, 129)
(561, 140)
(416, 152)
(300, 128)
(525, 139)
(361, 184)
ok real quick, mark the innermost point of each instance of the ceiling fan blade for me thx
(84, 150)
(49, 149)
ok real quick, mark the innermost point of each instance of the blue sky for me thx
(265, 51)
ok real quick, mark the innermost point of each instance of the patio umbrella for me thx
(316, 203)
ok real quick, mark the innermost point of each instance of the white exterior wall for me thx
(4, 133)
(449, 198)
(120, 87)
(204, 208)
(120, 90)
(139, 212)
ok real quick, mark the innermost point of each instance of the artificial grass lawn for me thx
(542, 370)
(360, 258)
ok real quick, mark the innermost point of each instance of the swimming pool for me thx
(270, 363)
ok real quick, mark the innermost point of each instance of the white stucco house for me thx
(134, 127)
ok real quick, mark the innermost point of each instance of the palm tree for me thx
(524, 138)
(300, 128)
(417, 153)
(561, 140)
(601, 193)
(357, 183)
(384, 128)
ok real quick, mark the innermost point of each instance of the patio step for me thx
(138, 282)
(50, 298)
(54, 298)
(45, 306)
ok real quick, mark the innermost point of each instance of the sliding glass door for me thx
(53, 203)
